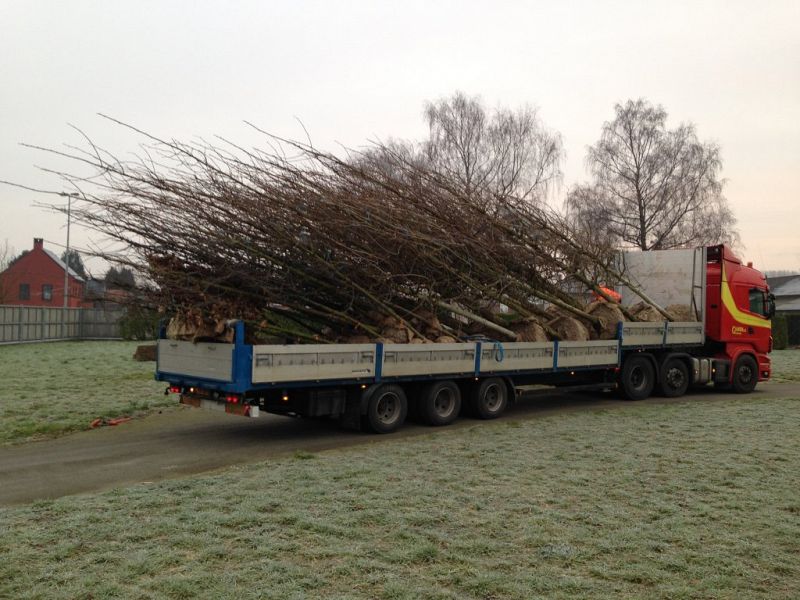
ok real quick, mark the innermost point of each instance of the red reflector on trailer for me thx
(174, 389)
(232, 399)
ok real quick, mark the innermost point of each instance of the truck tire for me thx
(489, 398)
(745, 375)
(674, 378)
(637, 377)
(387, 407)
(440, 403)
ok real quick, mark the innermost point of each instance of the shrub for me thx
(793, 327)
(139, 323)
(780, 332)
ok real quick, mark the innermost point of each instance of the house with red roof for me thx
(37, 279)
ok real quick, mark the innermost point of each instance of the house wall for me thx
(38, 269)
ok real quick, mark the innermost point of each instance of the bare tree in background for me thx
(653, 188)
(6, 256)
(507, 153)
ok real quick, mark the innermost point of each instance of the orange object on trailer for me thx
(608, 292)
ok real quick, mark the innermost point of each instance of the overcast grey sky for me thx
(357, 70)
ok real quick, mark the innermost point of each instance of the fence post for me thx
(19, 324)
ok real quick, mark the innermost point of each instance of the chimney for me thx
(38, 243)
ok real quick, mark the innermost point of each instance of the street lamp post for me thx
(69, 198)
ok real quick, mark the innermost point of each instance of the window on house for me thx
(47, 292)
(24, 291)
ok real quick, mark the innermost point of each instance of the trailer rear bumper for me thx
(242, 410)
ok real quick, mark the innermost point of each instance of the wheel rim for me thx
(745, 374)
(444, 403)
(388, 408)
(492, 397)
(637, 378)
(675, 378)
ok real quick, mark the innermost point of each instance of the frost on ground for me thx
(53, 388)
(786, 365)
(660, 500)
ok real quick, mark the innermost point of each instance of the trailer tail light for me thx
(174, 389)
(232, 399)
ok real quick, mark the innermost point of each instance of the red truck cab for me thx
(739, 307)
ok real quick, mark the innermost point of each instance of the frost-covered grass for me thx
(786, 365)
(691, 499)
(52, 388)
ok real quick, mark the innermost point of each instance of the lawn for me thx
(676, 500)
(785, 365)
(53, 388)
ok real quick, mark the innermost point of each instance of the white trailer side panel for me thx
(598, 353)
(312, 362)
(400, 360)
(642, 334)
(516, 356)
(684, 333)
(206, 360)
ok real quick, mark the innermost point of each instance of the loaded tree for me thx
(6, 254)
(652, 187)
(435, 241)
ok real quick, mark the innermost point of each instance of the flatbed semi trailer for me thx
(373, 386)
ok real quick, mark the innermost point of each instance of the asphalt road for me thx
(190, 441)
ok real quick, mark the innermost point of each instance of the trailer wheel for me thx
(489, 398)
(674, 378)
(387, 408)
(440, 403)
(637, 378)
(745, 375)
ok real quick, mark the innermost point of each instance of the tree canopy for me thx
(120, 277)
(653, 187)
(73, 259)
(506, 152)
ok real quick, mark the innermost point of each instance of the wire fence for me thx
(39, 324)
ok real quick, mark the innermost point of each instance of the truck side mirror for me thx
(771, 306)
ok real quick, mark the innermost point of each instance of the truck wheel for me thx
(440, 403)
(387, 408)
(674, 378)
(489, 398)
(637, 378)
(745, 375)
